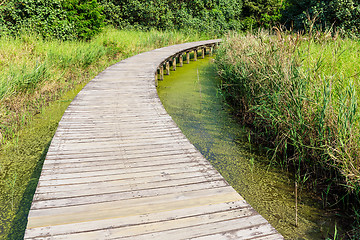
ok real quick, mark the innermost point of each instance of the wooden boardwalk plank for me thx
(127, 176)
(250, 225)
(119, 167)
(157, 227)
(113, 187)
(137, 219)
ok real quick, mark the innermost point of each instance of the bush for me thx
(86, 16)
(112, 13)
(265, 13)
(41, 16)
(338, 15)
(65, 20)
(201, 15)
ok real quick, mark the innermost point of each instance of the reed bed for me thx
(299, 95)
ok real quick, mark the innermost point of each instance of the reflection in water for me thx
(191, 97)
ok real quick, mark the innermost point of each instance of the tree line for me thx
(82, 19)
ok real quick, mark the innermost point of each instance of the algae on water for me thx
(20, 167)
(190, 95)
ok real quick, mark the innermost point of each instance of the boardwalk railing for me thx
(118, 167)
(179, 57)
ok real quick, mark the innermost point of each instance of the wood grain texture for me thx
(119, 167)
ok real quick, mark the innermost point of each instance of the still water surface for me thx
(190, 95)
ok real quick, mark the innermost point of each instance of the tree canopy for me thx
(81, 19)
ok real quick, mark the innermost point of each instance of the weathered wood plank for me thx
(263, 231)
(87, 156)
(44, 215)
(158, 227)
(107, 187)
(137, 219)
(89, 196)
(111, 158)
(124, 170)
(111, 165)
(121, 181)
(128, 177)
(250, 223)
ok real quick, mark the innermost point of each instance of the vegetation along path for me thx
(118, 166)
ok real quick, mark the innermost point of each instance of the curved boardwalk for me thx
(119, 168)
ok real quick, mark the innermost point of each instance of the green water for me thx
(190, 95)
(20, 166)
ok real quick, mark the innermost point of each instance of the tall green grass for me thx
(35, 73)
(299, 94)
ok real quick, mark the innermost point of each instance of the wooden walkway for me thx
(119, 168)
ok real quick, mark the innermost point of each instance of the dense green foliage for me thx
(86, 17)
(264, 13)
(339, 15)
(217, 16)
(73, 19)
(82, 19)
(39, 15)
(203, 15)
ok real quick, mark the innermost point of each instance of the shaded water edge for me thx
(191, 97)
(21, 162)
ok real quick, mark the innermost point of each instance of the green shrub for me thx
(339, 15)
(201, 15)
(265, 13)
(112, 13)
(41, 16)
(65, 20)
(86, 16)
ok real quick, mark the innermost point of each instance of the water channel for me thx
(190, 95)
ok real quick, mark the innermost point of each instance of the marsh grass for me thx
(299, 95)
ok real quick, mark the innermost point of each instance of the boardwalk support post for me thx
(195, 55)
(167, 67)
(181, 60)
(161, 73)
(156, 78)
(203, 50)
(187, 57)
(174, 64)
